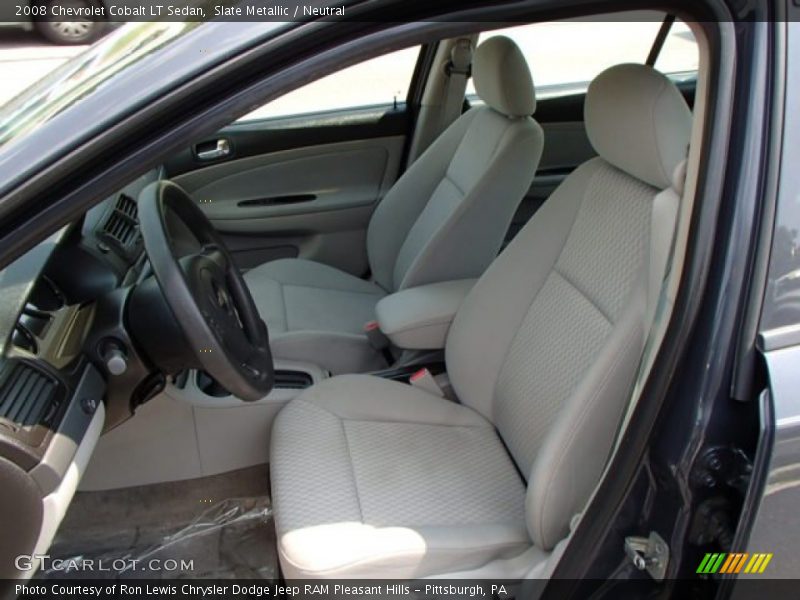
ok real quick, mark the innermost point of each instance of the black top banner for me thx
(122, 11)
(171, 10)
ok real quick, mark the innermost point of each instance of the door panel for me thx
(313, 202)
(255, 138)
(298, 187)
(300, 175)
(236, 195)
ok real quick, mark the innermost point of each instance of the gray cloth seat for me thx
(444, 219)
(384, 475)
(372, 478)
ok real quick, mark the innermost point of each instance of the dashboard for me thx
(62, 310)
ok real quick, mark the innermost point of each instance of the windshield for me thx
(84, 73)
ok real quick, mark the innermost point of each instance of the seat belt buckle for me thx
(377, 339)
(424, 380)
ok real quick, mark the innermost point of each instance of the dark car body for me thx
(710, 459)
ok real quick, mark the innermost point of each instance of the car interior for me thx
(390, 324)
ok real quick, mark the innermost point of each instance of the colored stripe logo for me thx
(734, 562)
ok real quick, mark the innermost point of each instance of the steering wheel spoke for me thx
(215, 253)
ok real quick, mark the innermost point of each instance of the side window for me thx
(383, 80)
(679, 53)
(564, 56)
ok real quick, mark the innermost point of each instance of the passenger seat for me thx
(373, 478)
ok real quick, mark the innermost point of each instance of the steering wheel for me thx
(205, 291)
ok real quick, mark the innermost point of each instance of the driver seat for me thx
(374, 478)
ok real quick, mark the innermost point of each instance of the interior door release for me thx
(213, 150)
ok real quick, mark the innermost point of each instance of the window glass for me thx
(378, 81)
(564, 56)
(679, 53)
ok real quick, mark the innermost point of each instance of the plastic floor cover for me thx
(216, 527)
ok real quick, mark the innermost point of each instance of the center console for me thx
(419, 318)
(285, 379)
(291, 378)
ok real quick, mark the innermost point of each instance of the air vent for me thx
(27, 396)
(24, 339)
(32, 324)
(127, 206)
(122, 224)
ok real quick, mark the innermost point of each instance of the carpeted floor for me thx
(213, 527)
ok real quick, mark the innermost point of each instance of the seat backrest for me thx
(548, 342)
(446, 217)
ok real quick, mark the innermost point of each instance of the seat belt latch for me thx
(424, 380)
(377, 339)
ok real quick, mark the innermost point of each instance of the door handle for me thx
(218, 149)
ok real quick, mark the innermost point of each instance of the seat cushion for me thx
(316, 313)
(347, 506)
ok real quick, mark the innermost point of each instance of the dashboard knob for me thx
(116, 361)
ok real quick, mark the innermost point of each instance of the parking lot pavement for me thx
(25, 58)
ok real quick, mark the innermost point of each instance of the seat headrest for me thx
(637, 120)
(502, 78)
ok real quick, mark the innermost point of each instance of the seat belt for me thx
(458, 69)
(666, 208)
(438, 114)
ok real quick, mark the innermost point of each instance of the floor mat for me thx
(214, 527)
